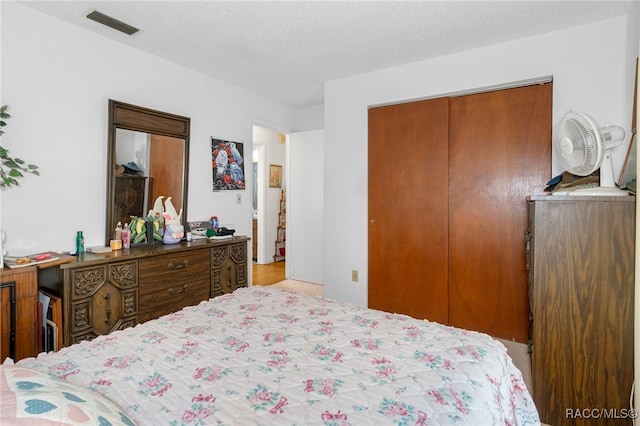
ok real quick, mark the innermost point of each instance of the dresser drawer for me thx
(170, 282)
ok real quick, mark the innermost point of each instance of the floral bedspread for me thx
(264, 356)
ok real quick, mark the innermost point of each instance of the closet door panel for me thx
(407, 236)
(166, 179)
(499, 152)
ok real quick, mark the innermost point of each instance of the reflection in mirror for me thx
(131, 184)
(148, 157)
(143, 172)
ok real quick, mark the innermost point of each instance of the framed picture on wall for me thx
(275, 176)
(227, 164)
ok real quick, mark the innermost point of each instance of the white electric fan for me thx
(582, 147)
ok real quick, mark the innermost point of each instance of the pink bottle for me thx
(126, 236)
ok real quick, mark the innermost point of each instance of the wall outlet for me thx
(354, 275)
(238, 198)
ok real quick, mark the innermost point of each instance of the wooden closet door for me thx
(166, 177)
(408, 217)
(499, 152)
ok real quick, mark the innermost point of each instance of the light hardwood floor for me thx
(269, 273)
(309, 289)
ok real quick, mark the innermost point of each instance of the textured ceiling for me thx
(286, 50)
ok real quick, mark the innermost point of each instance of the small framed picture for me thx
(275, 176)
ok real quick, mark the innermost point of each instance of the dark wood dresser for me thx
(106, 292)
(580, 258)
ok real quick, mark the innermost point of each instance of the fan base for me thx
(602, 191)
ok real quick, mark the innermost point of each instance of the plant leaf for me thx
(11, 168)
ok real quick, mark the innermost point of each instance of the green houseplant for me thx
(11, 168)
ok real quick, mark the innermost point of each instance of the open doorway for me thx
(269, 155)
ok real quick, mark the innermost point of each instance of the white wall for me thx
(590, 68)
(305, 201)
(311, 118)
(58, 79)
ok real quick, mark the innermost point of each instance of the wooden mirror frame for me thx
(139, 119)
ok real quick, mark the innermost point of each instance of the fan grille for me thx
(585, 154)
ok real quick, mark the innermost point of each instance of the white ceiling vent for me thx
(112, 22)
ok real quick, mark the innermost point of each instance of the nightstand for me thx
(18, 312)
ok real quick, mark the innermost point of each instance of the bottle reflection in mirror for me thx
(126, 236)
(150, 239)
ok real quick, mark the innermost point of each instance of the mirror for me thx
(158, 145)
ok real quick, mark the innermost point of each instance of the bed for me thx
(263, 356)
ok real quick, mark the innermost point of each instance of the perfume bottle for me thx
(118, 233)
(126, 236)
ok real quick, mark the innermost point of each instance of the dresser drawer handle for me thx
(107, 309)
(181, 290)
(175, 267)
